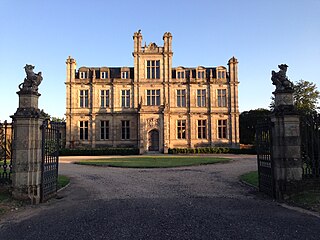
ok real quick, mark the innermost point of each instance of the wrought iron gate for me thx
(310, 145)
(264, 157)
(6, 137)
(50, 160)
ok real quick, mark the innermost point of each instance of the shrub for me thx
(99, 151)
(212, 150)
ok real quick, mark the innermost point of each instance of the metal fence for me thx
(310, 145)
(6, 137)
(50, 160)
(264, 157)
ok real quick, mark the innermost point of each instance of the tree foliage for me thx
(248, 121)
(306, 96)
(44, 114)
(48, 116)
(57, 119)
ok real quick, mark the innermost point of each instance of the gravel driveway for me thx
(200, 181)
(201, 202)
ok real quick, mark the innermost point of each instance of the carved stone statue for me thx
(32, 80)
(280, 79)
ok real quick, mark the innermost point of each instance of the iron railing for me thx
(264, 157)
(50, 160)
(6, 137)
(310, 145)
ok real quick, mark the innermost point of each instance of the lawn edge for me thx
(226, 160)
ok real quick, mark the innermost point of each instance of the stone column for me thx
(287, 164)
(27, 146)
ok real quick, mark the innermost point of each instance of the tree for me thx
(305, 97)
(57, 119)
(44, 114)
(48, 116)
(248, 121)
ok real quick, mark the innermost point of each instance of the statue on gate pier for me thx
(32, 80)
(280, 79)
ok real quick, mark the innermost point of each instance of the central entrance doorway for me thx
(153, 140)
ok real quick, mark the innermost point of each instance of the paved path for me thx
(203, 202)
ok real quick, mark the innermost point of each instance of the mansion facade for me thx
(152, 106)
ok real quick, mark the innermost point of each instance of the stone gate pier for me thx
(286, 146)
(27, 144)
(286, 153)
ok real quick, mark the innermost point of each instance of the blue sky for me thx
(260, 34)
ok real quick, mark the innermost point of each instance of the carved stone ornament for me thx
(152, 122)
(28, 112)
(280, 79)
(152, 47)
(32, 80)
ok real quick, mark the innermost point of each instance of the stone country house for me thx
(152, 105)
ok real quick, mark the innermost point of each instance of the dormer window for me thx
(200, 75)
(125, 75)
(180, 74)
(221, 74)
(83, 75)
(104, 75)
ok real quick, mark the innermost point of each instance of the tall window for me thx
(222, 98)
(84, 98)
(202, 129)
(200, 74)
(222, 128)
(125, 98)
(104, 75)
(180, 75)
(181, 129)
(125, 129)
(84, 130)
(153, 69)
(125, 75)
(83, 75)
(201, 98)
(153, 97)
(104, 98)
(181, 97)
(104, 130)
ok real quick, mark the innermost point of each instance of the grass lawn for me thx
(307, 199)
(154, 162)
(62, 181)
(251, 178)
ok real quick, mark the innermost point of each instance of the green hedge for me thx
(135, 151)
(208, 150)
(99, 151)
